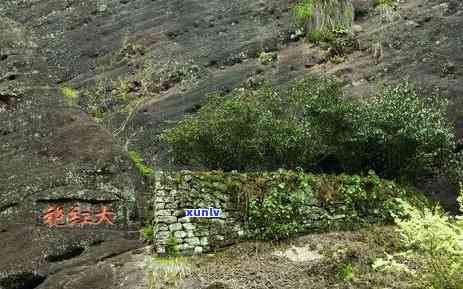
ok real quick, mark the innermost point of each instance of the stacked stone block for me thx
(192, 235)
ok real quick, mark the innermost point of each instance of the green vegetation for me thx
(388, 9)
(314, 15)
(328, 23)
(302, 12)
(310, 125)
(142, 168)
(267, 57)
(319, 18)
(391, 3)
(70, 94)
(166, 272)
(123, 95)
(338, 41)
(148, 233)
(434, 243)
(297, 202)
(346, 272)
(281, 204)
(171, 246)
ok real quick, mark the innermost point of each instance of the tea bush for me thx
(255, 129)
(399, 133)
(310, 125)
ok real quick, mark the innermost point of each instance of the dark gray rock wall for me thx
(50, 152)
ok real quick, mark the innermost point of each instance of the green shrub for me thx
(342, 42)
(434, 243)
(327, 22)
(267, 128)
(310, 125)
(282, 211)
(302, 12)
(388, 9)
(399, 133)
(294, 203)
(339, 42)
(171, 246)
(391, 3)
(267, 57)
(148, 233)
(346, 272)
(70, 95)
(143, 169)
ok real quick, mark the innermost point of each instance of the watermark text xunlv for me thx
(203, 213)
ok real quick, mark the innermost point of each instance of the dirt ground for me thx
(311, 261)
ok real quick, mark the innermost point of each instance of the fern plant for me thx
(435, 247)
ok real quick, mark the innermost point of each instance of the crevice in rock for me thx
(9, 77)
(74, 200)
(69, 253)
(8, 99)
(7, 206)
(24, 280)
(96, 242)
(4, 132)
(115, 254)
(12, 77)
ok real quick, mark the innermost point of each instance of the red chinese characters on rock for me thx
(73, 216)
(105, 216)
(54, 216)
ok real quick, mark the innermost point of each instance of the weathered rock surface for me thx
(82, 41)
(222, 39)
(51, 152)
(88, 40)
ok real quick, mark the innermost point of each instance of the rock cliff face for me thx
(86, 41)
(50, 153)
(51, 150)
(198, 47)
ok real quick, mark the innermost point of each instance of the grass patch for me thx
(70, 95)
(322, 16)
(163, 273)
(346, 272)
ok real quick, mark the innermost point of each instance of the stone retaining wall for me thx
(253, 204)
(193, 235)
